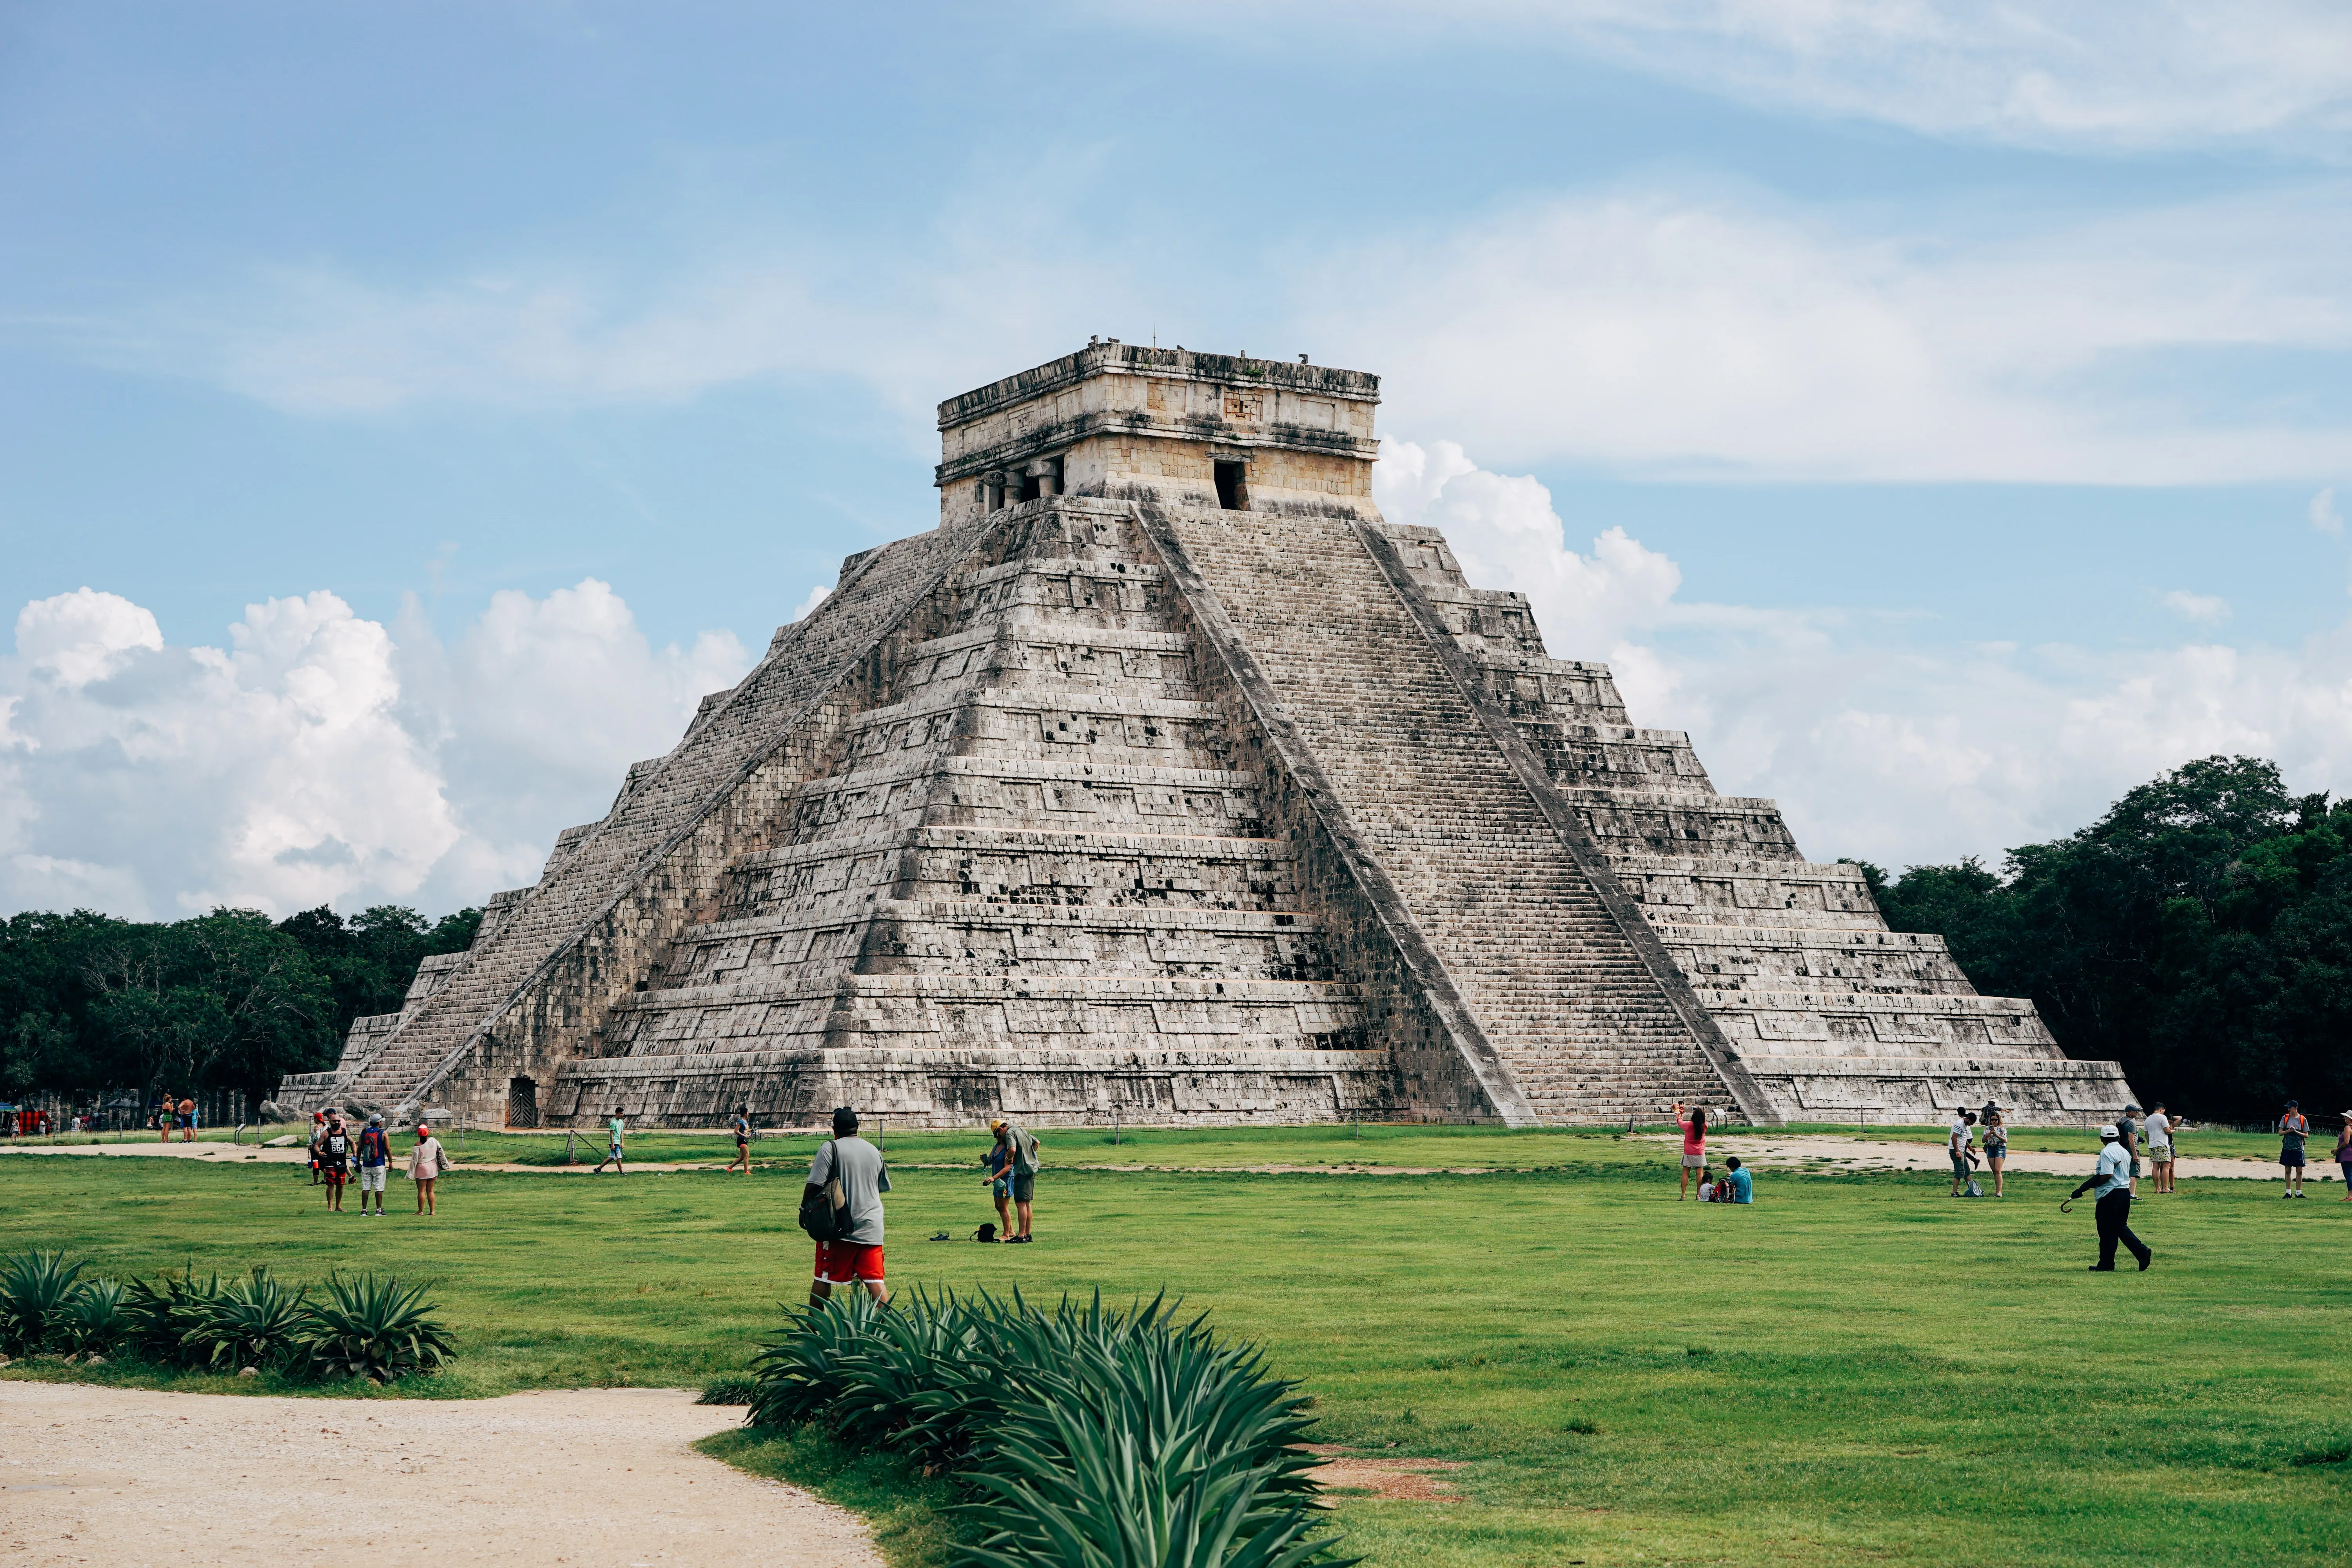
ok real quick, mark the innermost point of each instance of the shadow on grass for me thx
(907, 1511)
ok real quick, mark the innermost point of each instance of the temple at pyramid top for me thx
(1187, 430)
(1165, 780)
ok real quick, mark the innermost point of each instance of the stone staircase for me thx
(1568, 1004)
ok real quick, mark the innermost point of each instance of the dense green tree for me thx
(2199, 932)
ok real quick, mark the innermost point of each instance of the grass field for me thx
(1857, 1369)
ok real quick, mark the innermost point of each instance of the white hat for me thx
(2109, 1131)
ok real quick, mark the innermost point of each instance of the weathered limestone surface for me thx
(1164, 779)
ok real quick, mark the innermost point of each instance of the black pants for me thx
(2114, 1226)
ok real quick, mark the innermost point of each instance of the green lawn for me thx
(1857, 1369)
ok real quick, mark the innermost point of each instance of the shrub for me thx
(371, 1328)
(94, 1319)
(1085, 1437)
(34, 1287)
(158, 1314)
(254, 1322)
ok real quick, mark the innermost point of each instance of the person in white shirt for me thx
(2159, 1147)
(1958, 1143)
(2113, 1180)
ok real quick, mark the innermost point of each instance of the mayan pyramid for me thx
(1165, 780)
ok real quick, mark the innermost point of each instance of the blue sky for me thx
(1943, 413)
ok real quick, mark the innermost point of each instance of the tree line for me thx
(227, 1000)
(2200, 933)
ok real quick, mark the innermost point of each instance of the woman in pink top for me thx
(1693, 1128)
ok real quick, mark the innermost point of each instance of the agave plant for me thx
(94, 1319)
(255, 1321)
(34, 1287)
(372, 1327)
(160, 1316)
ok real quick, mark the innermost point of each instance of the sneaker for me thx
(2146, 1261)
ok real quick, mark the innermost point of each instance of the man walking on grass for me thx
(2114, 1181)
(614, 1131)
(848, 1173)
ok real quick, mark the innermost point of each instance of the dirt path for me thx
(599, 1477)
(1861, 1153)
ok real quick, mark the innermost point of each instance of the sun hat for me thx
(2109, 1131)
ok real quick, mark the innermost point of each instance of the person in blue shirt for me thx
(2112, 1180)
(1742, 1185)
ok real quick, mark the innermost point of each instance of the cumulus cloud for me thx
(316, 758)
(1885, 751)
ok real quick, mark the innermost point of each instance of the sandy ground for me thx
(601, 1478)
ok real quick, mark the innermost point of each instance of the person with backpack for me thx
(1693, 1128)
(1021, 1171)
(841, 1208)
(376, 1162)
(1737, 1186)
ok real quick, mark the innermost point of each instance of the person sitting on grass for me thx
(1737, 1186)
(613, 1130)
(855, 1256)
(1693, 1128)
(1705, 1184)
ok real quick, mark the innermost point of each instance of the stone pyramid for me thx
(1165, 780)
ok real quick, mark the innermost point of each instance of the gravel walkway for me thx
(598, 1478)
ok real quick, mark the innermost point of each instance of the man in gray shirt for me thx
(854, 1255)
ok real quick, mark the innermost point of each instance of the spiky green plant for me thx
(34, 1287)
(254, 1322)
(161, 1315)
(372, 1327)
(92, 1322)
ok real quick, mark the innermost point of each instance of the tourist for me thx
(2293, 1127)
(1959, 1143)
(742, 1142)
(1705, 1184)
(614, 1130)
(317, 1142)
(335, 1159)
(1693, 1128)
(376, 1162)
(427, 1163)
(2113, 1182)
(1995, 1144)
(2344, 1154)
(2159, 1147)
(1737, 1186)
(187, 1121)
(855, 1256)
(165, 1115)
(998, 1163)
(2127, 1132)
(1023, 1171)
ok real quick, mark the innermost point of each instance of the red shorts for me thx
(843, 1262)
(336, 1178)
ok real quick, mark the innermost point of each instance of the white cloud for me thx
(817, 594)
(2204, 608)
(1715, 337)
(2325, 518)
(2051, 73)
(316, 758)
(1882, 750)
